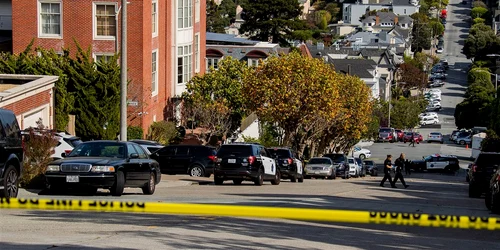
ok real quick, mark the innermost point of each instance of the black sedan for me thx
(105, 164)
(371, 167)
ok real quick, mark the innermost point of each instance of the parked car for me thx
(463, 140)
(436, 162)
(105, 164)
(435, 137)
(436, 84)
(195, 160)
(361, 153)
(362, 167)
(371, 167)
(415, 135)
(245, 161)
(439, 76)
(440, 50)
(433, 107)
(492, 198)
(320, 167)
(354, 169)
(387, 134)
(149, 146)
(444, 63)
(428, 121)
(289, 165)
(341, 165)
(481, 172)
(65, 142)
(428, 115)
(461, 134)
(11, 156)
(438, 69)
(400, 133)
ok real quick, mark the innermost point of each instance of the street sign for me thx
(133, 103)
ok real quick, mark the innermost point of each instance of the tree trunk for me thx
(313, 149)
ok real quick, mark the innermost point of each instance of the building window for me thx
(184, 13)
(197, 11)
(154, 18)
(184, 65)
(197, 53)
(253, 62)
(154, 72)
(404, 10)
(50, 19)
(212, 62)
(104, 21)
(103, 57)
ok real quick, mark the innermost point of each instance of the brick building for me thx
(166, 43)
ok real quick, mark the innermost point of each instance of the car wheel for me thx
(10, 183)
(362, 156)
(293, 178)
(462, 142)
(259, 180)
(473, 191)
(119, 186)
(237, 181)
(301, 178)
(196, 171)
(150, 187)
(277, 178)
(218, 180)
(495, 203)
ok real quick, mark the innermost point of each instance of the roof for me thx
(24, 85)
(404, 19)
(358, 67)
(217, 38)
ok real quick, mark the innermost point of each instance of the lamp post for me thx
(123, 74)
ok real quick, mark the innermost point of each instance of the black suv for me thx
(195, 160)
(289, 165)
(11, 154)
(481, 172)
(492, 199)
(244, 161)
(341, 164)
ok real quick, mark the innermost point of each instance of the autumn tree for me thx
(411, 76)
(271, 20)
(215, 100)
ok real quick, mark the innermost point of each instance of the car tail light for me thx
(290, 160)
(498, 177)
(67, 151)
(212, 158)
(251, 159)
(474, 168)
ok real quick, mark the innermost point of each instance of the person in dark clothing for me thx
(400, 165)
(412, 141)
(387, 171)
(408, 167)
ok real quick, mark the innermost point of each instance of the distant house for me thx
(340, 28)
(365, 69)
(222, 45)
(352, 12)
(385, 21)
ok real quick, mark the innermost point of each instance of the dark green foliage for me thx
(134, 132)
(421, 34)
(217, 19)
(480, 42)
(271, 20)
(491, 143)
(163, 132)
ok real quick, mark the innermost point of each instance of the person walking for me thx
(408, 164)
(387, 171)
(400, 165)
(412, 141)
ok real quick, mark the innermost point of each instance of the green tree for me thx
(273, 20)
(216, 22)
(437, 28)
(478, 20)
(134, 132)
(480, 75)
(421, 33)
(163, 132)
(302, 35)
(479, 12)
(480, 42)
(495, 114)
(334, 10)
(404, 113)
(479, 4)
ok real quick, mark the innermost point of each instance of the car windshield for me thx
(235, 150)
(370, 163)
(320, 161)
(488, 160)
(337, 158)
(99, 149)
(427, 158)
(359, 161)
(75, 141)
(384, 130)
(280, 153)
(351, 160)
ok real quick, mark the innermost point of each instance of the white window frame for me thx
(184, 14)
(210, 61)
(197, 52)
(154, 17)
(253, 62)
(103, 54)
(94, 20)
(39, 12)
(197, 11)
(154, 72)
(184, 52)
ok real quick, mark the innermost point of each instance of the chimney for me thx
(348, 69)
(377, 20)
(396, 20)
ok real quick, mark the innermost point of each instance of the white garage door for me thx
(30, 120)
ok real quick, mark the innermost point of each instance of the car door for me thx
(268, 162)
(182, 159)
(163, 157)
(144, 161)
(298, 163)
(134, 173)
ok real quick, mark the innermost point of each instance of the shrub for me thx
(39, 145)
(478, 20)
(163, 132)
(134, 132)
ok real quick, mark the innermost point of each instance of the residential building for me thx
(166, 44)
(352, 12)
(221, 45)
(386, 21)
(365, 69)
(340, 28)
(30, 97)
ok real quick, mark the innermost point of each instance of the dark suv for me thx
(481, 172)
(195, 160)
(289, 165)
(244, 161)
(11, 154)
(341, 164)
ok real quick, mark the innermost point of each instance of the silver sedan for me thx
(321, 167)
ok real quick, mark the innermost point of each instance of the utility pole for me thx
(123, 66)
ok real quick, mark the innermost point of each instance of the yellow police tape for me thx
(366, 217)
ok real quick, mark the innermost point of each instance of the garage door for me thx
(30, 120)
